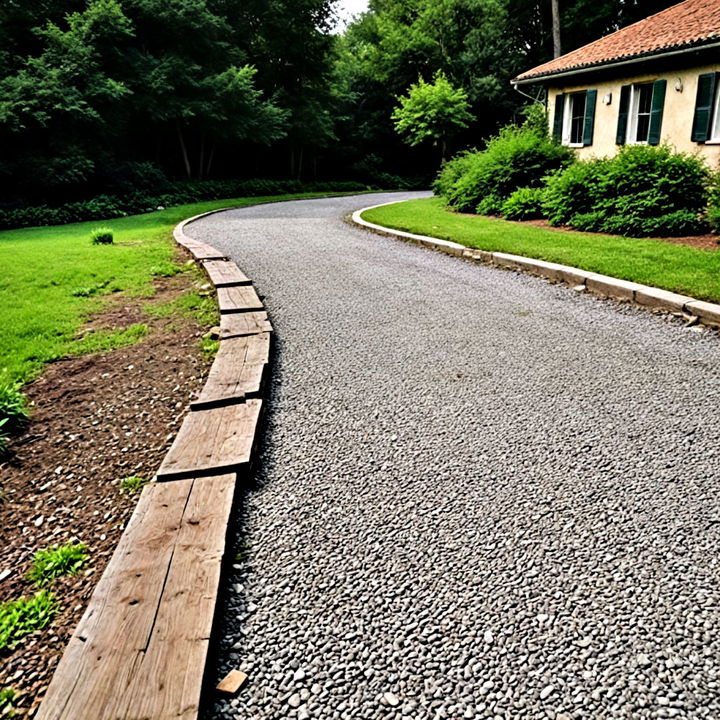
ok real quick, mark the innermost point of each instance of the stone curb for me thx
(601, 285)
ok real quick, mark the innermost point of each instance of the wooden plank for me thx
(212, 441)
(238, 299)
(225, 273)
(200, 250)
(237, 372)
(148, 620)
(239, 324)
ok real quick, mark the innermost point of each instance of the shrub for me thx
(102, 236)
(147, 200)
(13, 408)
(524, 204)
(55, 561)
(642, 191)
(713, 212)
(21, 617)
(518, 157)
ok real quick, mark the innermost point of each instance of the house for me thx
(655, 81)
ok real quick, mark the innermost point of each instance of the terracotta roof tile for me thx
(690, 23)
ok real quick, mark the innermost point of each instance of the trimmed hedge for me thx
(108, 206)
(642, 191)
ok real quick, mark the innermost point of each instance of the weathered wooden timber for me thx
(238, 299)
(225, 273)
(239, 324)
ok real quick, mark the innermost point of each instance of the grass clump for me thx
(133, 484)
(101, 236)
(55, 561)
(105, 340)
(209, 347)
(21, 617)
(7, 702)
(165, 269)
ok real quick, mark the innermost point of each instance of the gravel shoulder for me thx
(478, 495)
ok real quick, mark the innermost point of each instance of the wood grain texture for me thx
(200, 250)
(140, 647)
(237, 371)
(239, 324)
(238, 299)
(212, 441)
(225, 273)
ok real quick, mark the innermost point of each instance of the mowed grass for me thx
(678, 268)
(53, 278)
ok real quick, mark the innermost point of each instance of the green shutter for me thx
(590, 102)
(624, 107)
(558, 119)
(656, 111)
(703, 107)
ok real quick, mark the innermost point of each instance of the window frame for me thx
(714, 129)
(634, 113)
(569, 117)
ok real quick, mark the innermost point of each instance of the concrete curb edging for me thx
(602, 285)
(141, 647)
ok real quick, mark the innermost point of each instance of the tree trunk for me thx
(210, 161)
(201, 159)
(186, 159)
(557, 52)
(300, 163)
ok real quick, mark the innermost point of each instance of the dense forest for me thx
(117, 95)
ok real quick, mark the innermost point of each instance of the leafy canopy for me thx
(431, 111)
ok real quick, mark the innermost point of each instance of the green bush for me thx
(524, 204)
(713, 212)
(101, 236)
(643, 191)
(518, 157)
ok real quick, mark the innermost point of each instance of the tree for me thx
(432, 111)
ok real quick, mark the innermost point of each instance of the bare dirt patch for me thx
(95, 420)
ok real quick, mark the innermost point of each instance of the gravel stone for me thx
(451, 449)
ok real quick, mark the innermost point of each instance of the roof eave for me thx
(653, 55)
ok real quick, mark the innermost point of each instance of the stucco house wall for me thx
(677, 118)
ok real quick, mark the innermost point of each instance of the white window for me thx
(639, 117)
(574, 120)
(714, 134)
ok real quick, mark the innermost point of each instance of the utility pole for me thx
(556, 27)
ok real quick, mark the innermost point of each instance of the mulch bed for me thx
(703, 242)
(95, 420)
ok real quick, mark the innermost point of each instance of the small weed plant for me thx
(4, 437)
(209, 347)
(7, 702)
(13, 408)
(57, 560)
(133, 484)
(101, 236)
(166, 269)
(21, 617)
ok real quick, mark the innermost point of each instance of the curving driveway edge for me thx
(141, 646)
(692, 309)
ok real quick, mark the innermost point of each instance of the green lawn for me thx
(53, 278)
(651, 262)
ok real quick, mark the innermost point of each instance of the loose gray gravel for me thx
(479, 495)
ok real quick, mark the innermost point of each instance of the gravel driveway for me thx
(479, 495)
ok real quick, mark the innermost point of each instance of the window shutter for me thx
(656, 111)
(623, 110)
(558, 119)
(703, 107)
(589, 127)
